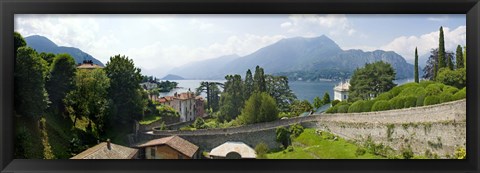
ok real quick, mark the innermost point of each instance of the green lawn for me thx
(310, 145)
(149, 119)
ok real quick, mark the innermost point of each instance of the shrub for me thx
(381, 105)
(290, 148)
(367, 106)
(356, 107)
(335, 102)
(334, 109)
(360, 152)
(450, 89)
(421, 93)
(425, 83)
(456, 78)
(433, 89)
(407, 152)
(261, 149)
(397, 102)
(460, 94)
(343, 108)
(199, 123)
(282, 136)
(431, 100)
(460, 153)
(296, 129)
(396, 90)
(410, 101)
(445, 97)
(384, 96)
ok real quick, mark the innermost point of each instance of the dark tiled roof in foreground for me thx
(101, 151)
(176, 143)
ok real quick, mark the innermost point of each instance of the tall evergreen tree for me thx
(248, 85)
(259, 84)
(416, 65)
(465, 56)
(441, 52)
(459, 57)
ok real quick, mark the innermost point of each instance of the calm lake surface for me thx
(302, 89)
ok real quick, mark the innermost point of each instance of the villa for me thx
(341, 91)
(186, 104)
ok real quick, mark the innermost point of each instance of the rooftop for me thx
(176, 143)
(342, 86)
(101, 151)
(239, 147)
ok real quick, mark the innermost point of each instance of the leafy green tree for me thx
(278, 88)
(18, 42)
(31, 98)
(124, 90)
(231, 101)
(326, 98)
(370, 81)
(89, 99)
(416, 66)
(213, 92)
(442, 62)
(317, 102)
(48, 57)
(299, 107)
(295, 130)
(248, 85)
(61, 81)
(260, 107)
(259, 84)
(456, 78)
(459, 57)
(431, 68)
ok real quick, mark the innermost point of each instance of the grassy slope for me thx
(310, 145)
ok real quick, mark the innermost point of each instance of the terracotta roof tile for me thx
(101, 151)
(176, 143)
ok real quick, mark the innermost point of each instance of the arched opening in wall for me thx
(233, 155)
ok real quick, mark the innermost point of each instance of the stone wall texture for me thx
(438, 128)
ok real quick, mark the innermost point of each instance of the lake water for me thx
(303, 90)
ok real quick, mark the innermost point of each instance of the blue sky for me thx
(158, 43)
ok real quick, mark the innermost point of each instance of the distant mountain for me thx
(315, 58)
(206, 69)
(43, 44)
(172, 77)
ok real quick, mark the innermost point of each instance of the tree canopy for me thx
(371, 80)
(31, 98)
(260, 107)
(61, 81)
(124, 89)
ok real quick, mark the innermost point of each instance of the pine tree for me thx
(259, 84)
(441, 52)
(248, 85)
(459, 57)
(416, 65)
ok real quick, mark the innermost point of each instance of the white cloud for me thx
(315, 24)
(405, 45)
(438, 19)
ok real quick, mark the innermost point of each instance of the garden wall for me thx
(438, 128)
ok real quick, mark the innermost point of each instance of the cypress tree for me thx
(416, 65)
(441, 51)
(459, 57)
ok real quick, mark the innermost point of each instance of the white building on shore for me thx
(341, 91)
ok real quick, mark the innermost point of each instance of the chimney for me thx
(109, 146)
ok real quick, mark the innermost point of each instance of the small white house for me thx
(341, 91)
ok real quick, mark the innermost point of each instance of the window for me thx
(152, 152)
(344, 96)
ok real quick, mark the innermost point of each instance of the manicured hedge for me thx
(460, 94)
(410, 101)
(433, 89)
(343, 109)
(381, 105)
(431, 100)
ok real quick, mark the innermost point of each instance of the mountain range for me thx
(43, 44)
(294, 56)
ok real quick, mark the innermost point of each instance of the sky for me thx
(158, 43)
